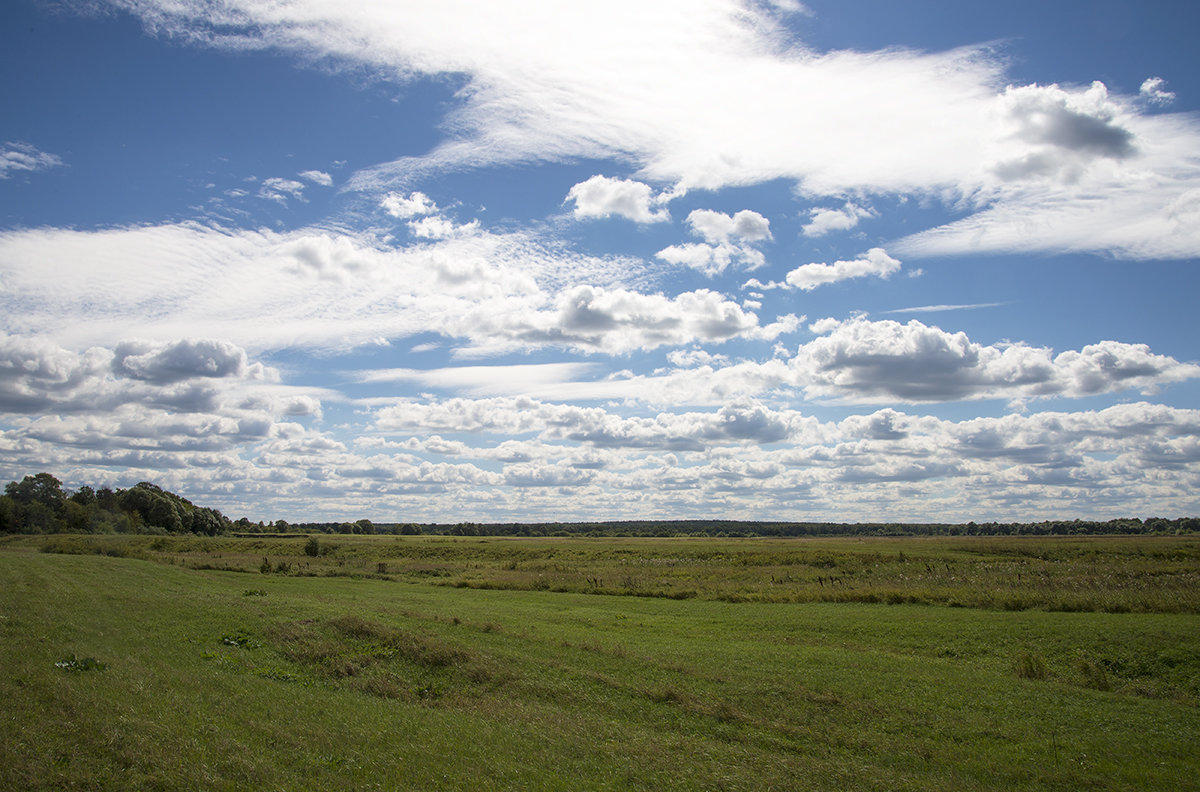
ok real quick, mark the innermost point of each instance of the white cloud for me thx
(484, 380)
(317, 177)
(1154, 91)
(497, 292)
(727, 238)
(439, 227)
(16, 157)
(601, 196)
(700, 109)
(863, 361)
(943, 307)
(1060, 134)
(406, 206)
(37, 375)
(717, 227)
(1080, 171)
(279, 190)
(827, 220)
(181, 360)
(875, 263)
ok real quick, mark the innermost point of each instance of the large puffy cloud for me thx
(602, 196)
(38, 376)
(701, 108)
(863, 360)
(181, 360)
(1062, 132)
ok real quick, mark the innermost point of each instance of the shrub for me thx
(312, 547)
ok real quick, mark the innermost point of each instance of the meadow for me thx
(428, 662)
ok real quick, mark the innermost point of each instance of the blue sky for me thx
(519, 261)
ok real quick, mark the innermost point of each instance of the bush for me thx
(312, 547)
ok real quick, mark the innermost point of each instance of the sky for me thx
(643, 259)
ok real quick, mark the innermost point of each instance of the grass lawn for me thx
(151, 671)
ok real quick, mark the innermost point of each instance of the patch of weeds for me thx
(430, 690)
(254, 593)
(1093, 674)
(1029, 665)
(74, 663)
(241, 639)
(278, 674)
(374, 658)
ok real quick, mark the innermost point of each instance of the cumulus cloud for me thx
(1154, 90)
(36, 372)
(863, 360)
(602, 196)
(181, 360)
(717, 227)
(439, 227)
(875, 263)
(728, 239)
(617, 321)
(405, 206)
(37, 375)
(1062, 132)
(827, 220)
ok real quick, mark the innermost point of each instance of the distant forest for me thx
(39, 505)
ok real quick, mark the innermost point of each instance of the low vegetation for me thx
(1107, 574)
(167, 662)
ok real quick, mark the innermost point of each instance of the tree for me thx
(42, 488)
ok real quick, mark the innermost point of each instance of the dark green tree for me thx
(42, 488)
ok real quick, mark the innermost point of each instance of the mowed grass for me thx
(219, 679)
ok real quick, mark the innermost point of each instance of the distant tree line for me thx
(718, 528)
(38, 504)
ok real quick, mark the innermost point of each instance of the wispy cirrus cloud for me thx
(22, 157)
(602, 82)
(492, 292)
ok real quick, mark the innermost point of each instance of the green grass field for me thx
(576, 664)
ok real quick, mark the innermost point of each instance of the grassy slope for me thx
(345, 683)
